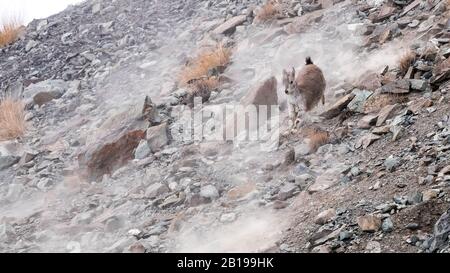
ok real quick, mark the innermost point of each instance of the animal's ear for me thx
(285, 75)
(293, 73)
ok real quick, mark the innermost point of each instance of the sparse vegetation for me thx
(269, 11)
(317, 138)
(406, 61)
(12, 118)
(10, 31)
(201, 73)
(377, 101)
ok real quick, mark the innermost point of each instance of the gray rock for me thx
(30, 45)
(143, 150)
(345, 235)
(357, 103)
(156, 190)
(209, 191)
(42, 25)
(418, 85)
(325, 216)
(287, 191)
(157, 137)
(387, 225)
(391, 163)
(228, 217)
(7, 161)
(441, 232)
(415, 198)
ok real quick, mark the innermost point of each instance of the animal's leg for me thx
(297, 119)
(323, 99)
(292, 114)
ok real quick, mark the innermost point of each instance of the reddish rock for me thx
(112, 151)
(384, 13)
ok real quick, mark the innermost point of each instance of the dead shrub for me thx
(406, 61)
(10, 31)
(200, 67)
(268, 12)
(12, 118)
(317, 137)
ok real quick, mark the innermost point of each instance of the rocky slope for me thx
(96, 173)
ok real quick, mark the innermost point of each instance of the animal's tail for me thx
(308, 60)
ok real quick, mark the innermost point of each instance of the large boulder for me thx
(263, 94)
(113, 150)
(157, 137)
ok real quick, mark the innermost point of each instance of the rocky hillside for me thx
(104, 165)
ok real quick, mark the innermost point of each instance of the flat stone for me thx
(325, 216)
(397, 87)
(325, 181)
(366, 140)
(287, 191)
(230, 25)
(357, 104)
(338, 106)
(384, 13)
(418, 85)
(381, 130)
(367, 121)
(385, 113)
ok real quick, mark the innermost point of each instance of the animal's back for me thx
(311, 83)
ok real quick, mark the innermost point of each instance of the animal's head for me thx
(289, 81)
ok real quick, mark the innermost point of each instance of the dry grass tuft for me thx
(12, 118)
(269, 11)
(200, 67)
(406, 61)
(10, 31)
(201, 74)
(317, 138)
